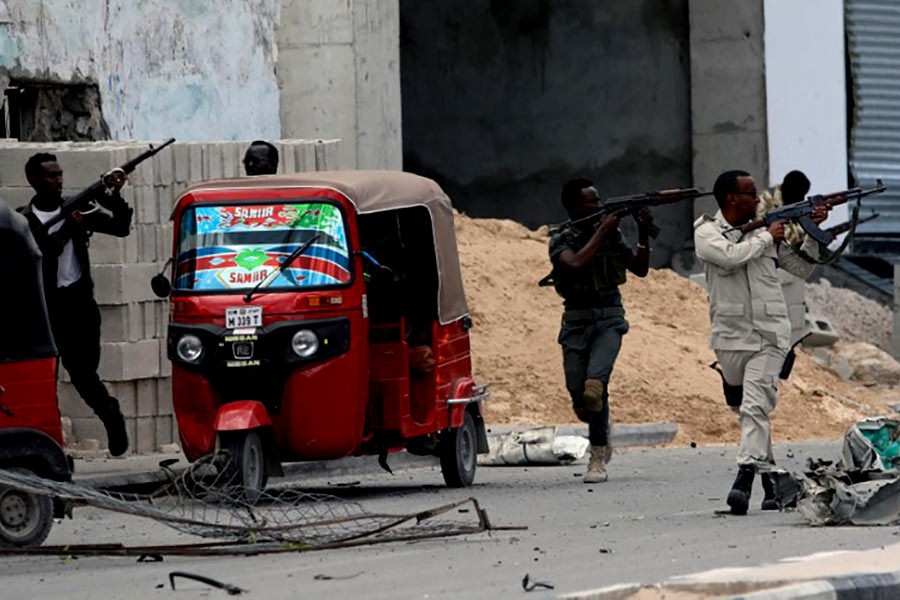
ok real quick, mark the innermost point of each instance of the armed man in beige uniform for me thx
(751, 332)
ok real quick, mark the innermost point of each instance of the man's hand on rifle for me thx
(777, 231)
(644, 220)
(610, 223)
(820, 213)
(114, 180)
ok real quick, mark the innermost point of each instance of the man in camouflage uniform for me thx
(750, 331)
(791, 190)
(589, 265)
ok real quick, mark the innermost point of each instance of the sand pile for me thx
(661, 373)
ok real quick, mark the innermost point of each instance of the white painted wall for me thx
(806, 93)
(193, 69)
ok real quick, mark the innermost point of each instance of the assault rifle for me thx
(79, 201)
(801, 212)
(631, 205)
(848, 225)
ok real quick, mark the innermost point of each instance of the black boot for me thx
(116, 434)
(739, 496)
(768, 484)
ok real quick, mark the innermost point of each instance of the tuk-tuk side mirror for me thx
(467, 323)
(159, 283)
(161, 286)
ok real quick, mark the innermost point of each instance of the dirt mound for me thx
(662, 373)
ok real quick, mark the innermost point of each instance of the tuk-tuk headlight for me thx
(189, 348)
(304, 343)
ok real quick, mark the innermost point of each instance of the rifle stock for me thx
(76, 202)
(847, 225)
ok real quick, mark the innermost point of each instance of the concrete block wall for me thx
(133, 353)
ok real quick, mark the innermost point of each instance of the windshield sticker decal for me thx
(237, 246)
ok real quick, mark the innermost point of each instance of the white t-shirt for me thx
(68, 271)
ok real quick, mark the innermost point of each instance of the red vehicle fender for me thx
(242, 415)
(465, 395)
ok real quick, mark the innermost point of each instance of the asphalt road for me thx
(654, 519)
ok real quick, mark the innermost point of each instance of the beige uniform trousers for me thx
(758, 372)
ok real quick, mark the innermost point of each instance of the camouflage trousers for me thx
(590, 347)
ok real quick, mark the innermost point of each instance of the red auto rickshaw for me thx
(30, 431)
(318, 316)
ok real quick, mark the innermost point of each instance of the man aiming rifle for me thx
(62, 229)
(590, 259)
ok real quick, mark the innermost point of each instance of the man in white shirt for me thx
(751, 331)
(69, 290)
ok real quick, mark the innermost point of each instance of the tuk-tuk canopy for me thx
(26, 329)
(374, 192)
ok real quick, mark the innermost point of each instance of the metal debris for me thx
(863, 488)
(529, 584)
(232, 590)
(199, 503)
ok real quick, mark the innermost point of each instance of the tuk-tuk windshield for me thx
(235, 246)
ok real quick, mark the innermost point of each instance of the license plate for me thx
(244, 316)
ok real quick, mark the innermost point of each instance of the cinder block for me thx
(212, 160)
(165, 365)
(148, 242)
(305, 156)
(165, 232)
(70, 402)
(146, 205)
(16, 196)
(164, 167)
(327, 155)
(143, 173)
(84, 166)
(232, 153)
(12, 164)
(145, 438)
(165, 200)
(154, 326)
(164, 431)
(181, 159)
(146, 397)
(164, 395)
(121, 323)
(123, 284)
(287, 156)
(125, 361)
(125, 392)
(195, 154)
(109, 249)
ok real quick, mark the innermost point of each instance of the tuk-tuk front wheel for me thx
(458, 453)
(25, 518)
(246, 467)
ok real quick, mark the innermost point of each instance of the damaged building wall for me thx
(193, 70)
(503, 101)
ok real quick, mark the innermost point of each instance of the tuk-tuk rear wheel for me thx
(25, 518)
(246, 463)
(459, 453)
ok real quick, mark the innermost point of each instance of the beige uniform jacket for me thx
(746, 302)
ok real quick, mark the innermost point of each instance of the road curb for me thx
(623, 436)
(860, 586)
(644, 434)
